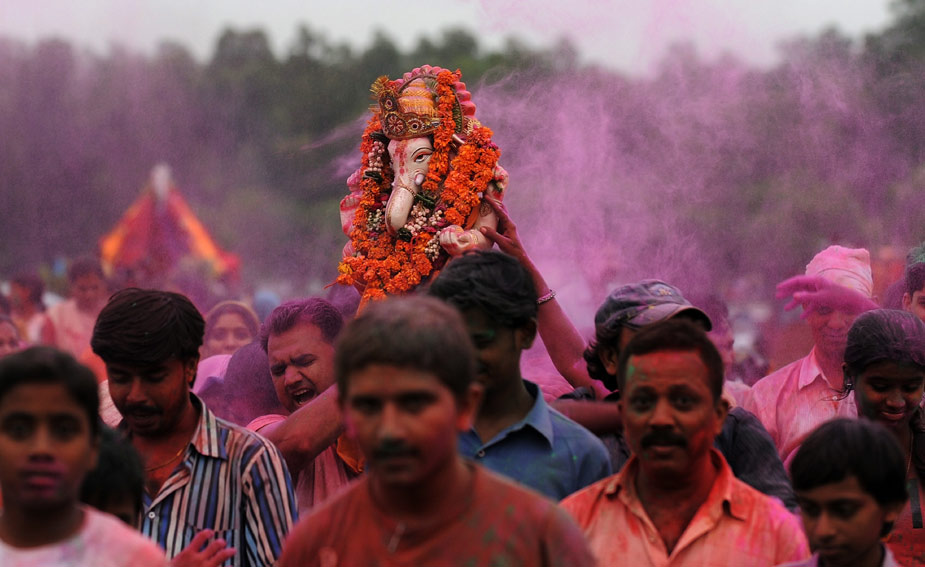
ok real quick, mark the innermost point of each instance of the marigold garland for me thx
(385, 264)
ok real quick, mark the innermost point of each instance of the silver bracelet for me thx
(546, 297)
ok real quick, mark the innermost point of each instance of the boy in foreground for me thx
(405, 372)
(849, 479)
(49, 440)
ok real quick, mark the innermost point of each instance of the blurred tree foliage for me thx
(761, 167)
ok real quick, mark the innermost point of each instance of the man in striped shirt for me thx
(201, 473)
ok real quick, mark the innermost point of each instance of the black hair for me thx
(418, 332)
(84, 266)
(491, 281)
(314, 310)
(884, 334)
(860, 448)
(48, 365)
(675, 335)
(119, 474)
(146, 327)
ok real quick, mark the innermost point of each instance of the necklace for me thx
(165, 463)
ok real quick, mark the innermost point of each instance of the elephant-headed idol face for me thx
(410, 161)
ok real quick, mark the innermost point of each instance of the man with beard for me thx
(298, 338)
(405, 370)
(202, 474)
(515, 432)
(794, 400)
(676, 501)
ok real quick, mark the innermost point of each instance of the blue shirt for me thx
(545, 451)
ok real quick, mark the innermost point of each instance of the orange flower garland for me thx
(385, 264)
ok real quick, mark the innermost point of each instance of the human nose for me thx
(895, 399)
(823, 529)
(292, 375)
(41, 443)
(136, 392)
(661, 416)
(839, 319)
(390, 423)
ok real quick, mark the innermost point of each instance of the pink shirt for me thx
(795, 400)
(736, 525)
(73, 327)
(325, 477)
(103, 541)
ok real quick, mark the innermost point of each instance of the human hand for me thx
(814, 292)
(198, 554)
(505, 235)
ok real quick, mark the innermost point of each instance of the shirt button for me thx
(480, 454)
(152, 515)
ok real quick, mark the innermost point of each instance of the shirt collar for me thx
(538, 417)
(810, 370)
(623, 485)
(207, 437)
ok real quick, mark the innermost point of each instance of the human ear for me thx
(467, 406)
(721, 409)
(526, 334)
(609, 358)
(907, 302)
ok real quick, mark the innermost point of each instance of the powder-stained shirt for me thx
(230, 480)
(496, 523)
(545, 451)
(795, 400)
(324, 477)
(736, 525)
(102, 541)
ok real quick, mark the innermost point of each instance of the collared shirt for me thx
(230, 480)
(736, 525)
(795, 400)
(545, 451)
(888, 561)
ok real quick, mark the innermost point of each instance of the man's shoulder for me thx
(239, 442)
(781, 376)
(582, 503)
(259, 423)
(335, 518)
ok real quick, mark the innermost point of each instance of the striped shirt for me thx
(232, 481)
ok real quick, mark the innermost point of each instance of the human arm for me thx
(814, 292)
(308, 431)
(598, 417)
(562, 340)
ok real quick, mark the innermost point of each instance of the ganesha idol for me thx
(418, 198)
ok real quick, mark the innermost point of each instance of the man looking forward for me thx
(405, 371)
(676, 501)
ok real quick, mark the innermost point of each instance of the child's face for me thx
(46, 447)
(843, 522)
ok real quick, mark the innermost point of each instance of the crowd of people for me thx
(134, 430)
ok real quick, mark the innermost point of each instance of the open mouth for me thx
(303, 395)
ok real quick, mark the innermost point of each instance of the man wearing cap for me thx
(792, 401)
(743, 441)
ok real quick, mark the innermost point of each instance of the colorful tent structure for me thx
(159, 234)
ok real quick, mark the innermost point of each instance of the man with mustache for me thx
(515, 432)
(676, 501)
(405, 369)
(202, 474)
(794, 400)
(298, 338)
